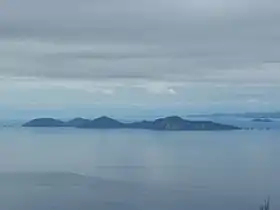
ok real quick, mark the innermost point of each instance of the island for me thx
(77, 122)
(265, 120)
(45, 122)
(173, 123)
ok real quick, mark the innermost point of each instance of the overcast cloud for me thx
(223, 54)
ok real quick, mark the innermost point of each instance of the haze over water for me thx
(139, 59)
(69, 169)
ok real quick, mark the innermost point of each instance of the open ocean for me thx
(76, 169)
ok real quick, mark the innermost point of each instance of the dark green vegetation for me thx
(173, 123)
(266, 205)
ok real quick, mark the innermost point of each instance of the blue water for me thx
(69, 169)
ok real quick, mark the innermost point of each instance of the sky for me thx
(138, 58)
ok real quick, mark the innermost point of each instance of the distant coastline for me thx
(264, 120)
(172, 123)
(250, 115)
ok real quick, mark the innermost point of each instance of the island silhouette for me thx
(172, 123)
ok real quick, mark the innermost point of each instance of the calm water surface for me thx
(69, 169)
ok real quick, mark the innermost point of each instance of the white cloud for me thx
(172, 91)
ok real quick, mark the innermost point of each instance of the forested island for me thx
(173, 123)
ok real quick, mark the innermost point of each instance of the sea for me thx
(79, 169)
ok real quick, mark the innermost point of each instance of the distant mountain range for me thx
(244, 115)
(173, 123)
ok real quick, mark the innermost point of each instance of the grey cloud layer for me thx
(207, 41)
